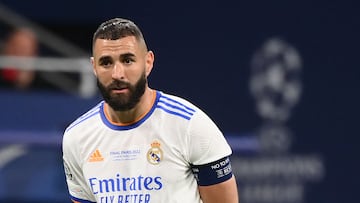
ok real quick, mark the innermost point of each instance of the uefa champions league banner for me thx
(269, 172)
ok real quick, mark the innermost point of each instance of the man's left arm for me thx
(210, 161)
(224, 192)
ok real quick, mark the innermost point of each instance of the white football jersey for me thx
(151, 160)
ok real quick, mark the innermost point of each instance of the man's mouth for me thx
(119, 89)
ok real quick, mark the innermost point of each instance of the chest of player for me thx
(143, 154)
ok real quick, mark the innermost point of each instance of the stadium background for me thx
(204, 52)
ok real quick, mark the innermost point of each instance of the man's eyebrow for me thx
(103, 58)
(122, 56)
(126, 55)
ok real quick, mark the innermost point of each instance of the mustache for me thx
(117, 84)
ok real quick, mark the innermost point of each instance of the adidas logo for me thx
(96, 156)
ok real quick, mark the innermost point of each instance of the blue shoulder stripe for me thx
(95, 110)
(175, 107)
(173, 112)
(176, 102)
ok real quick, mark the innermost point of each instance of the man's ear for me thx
(93, 65)
(149, 62)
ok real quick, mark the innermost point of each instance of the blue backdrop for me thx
(204, 52)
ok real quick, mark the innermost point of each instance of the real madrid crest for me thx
(155, 154)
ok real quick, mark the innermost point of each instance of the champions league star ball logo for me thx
(275, 84)
(275, 80)
(155, 154)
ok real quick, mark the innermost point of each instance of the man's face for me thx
(121, 67)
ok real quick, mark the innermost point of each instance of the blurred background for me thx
(280, 78)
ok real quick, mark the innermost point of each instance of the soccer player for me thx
(141, 144)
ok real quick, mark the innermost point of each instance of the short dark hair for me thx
(118, 28)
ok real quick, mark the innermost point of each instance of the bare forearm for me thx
(225, 192)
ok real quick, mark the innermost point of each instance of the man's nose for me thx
(118, 71)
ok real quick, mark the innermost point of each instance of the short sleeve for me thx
(78, 189)
(207, 142)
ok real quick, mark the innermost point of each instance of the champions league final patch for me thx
(155, 154)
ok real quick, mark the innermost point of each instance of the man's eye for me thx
(128, 61)
(105, 63)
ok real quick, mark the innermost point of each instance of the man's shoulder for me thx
(176, 105)
(85, 117)
(169, 97)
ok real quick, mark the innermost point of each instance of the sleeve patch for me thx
(213, 173)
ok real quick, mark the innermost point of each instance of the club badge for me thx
(155, 154)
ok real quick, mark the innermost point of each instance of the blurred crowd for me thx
(24, 42)
(21, 42)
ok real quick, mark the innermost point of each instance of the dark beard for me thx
(123, 102)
